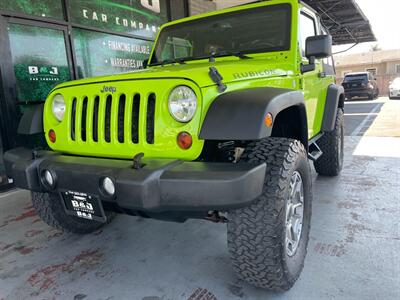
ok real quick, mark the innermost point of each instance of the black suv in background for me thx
(362, 84)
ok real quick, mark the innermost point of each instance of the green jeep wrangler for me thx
(219, 125)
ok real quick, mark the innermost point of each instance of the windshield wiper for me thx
(180, 61)
(170, 61)
(232, 53)
(211, 57)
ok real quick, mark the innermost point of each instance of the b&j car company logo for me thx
(43, 73)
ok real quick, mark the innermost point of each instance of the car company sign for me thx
(139, 17)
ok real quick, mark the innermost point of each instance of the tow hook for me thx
(137, 164)
(216, 217)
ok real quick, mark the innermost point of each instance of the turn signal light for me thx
(52, 136)
(185, 140)
(269, 120)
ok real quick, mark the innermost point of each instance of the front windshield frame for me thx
(220, 18)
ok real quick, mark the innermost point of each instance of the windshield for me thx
(362, 77)
(260, 29)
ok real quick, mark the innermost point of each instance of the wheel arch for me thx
(334, 100)
(282, 125)
(240, 115)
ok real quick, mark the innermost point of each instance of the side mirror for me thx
(145, 63)
(317, 47)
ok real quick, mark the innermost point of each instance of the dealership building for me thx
(44, 43)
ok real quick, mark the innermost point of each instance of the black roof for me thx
(344, 20)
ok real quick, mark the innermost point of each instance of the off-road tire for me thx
(51, 210)
(332, 145)
(257, 233)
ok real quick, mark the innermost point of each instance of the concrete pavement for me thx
(353, 252)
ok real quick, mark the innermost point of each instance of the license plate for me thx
(84, 206)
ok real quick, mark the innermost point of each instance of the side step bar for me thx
(314, 151)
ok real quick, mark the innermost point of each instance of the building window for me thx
(373, 71)
(397, 69)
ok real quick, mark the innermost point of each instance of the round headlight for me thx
(182, 104)
(58, 107)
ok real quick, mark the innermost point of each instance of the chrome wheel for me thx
(294, 213)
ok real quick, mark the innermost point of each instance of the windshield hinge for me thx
(217, 78)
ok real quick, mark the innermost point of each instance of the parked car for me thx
(394, 89)
(361, 84)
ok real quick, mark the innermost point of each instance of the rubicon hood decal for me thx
(259, 73)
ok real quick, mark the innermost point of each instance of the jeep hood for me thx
(232, 70)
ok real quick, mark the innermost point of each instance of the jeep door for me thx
(315, 83)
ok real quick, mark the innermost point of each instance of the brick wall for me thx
(201, 6)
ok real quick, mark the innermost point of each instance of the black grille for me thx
(121, 118)
(151, 108)
(73, 119)
(107, 119)
(83, 120)
(96, 119)
(114, 116)
(135, 118)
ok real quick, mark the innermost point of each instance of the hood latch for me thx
(217, 78)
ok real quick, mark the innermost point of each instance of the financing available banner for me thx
(105, 54)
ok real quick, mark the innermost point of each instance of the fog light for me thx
(185, 140)
(48, 179)
(108, 186)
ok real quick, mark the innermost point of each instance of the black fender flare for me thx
(32, 120)
(334, 100)
(240, 115)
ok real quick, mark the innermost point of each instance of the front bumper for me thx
(394, 93)
(161, 185)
